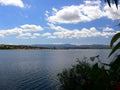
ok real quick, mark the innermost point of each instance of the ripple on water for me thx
(36, 81)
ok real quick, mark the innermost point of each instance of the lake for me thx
(38, 69)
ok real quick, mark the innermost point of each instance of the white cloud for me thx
(28, 35)
(112, 13)
(74, 14)
(23, 31)
(83, 13)
(33, 31)
(96, 2)
(57, 28)
(61, 32)
(30, 28)
(18, 3)
(24, 35)
(35, 35)
(46, 34)
(107, 29)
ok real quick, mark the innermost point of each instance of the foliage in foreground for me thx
(116, 37)
(84, 76)
(113, 40)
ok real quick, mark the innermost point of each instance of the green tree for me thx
(112, 1)
(117, 46)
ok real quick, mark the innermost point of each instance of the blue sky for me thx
(57, 22)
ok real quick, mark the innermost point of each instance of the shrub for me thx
(84, 76)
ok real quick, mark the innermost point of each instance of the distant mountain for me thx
(2, 46)
(61, 46)
(94, 46)
(54, 46)
(71, 46)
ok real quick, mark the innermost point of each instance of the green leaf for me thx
(114, 49)
(108, 1)
(114, 39)
(116, 3)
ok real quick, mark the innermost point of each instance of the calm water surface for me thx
(37, 69)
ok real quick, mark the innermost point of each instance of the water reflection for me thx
(37, 69)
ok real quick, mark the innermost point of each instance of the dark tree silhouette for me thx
(112, 1)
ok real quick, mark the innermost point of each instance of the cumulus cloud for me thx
(112, 13)
(24, 35)
(33, 31)
(82, 13)
(107, 29)
(35, 35)
(30, 28)
(46, 34)
(23, 31)
(28, 35)
(61, 32)
(18, 3)
(74, 14)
